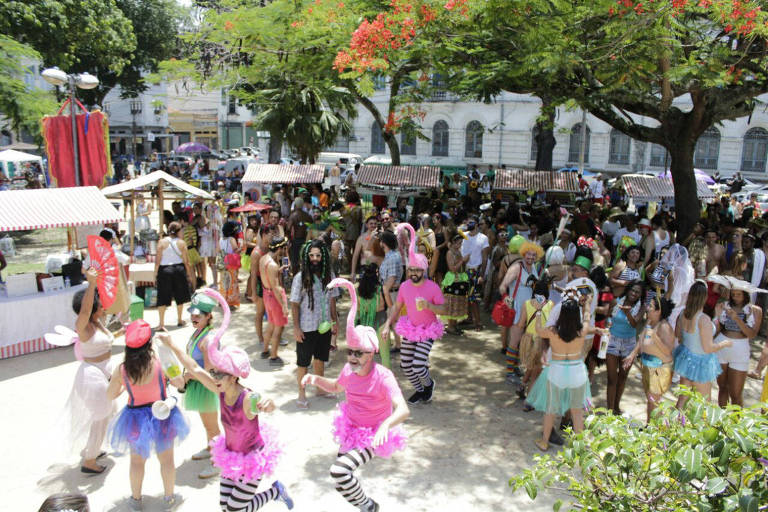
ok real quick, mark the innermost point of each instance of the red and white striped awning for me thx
(54, 208)
(288, 174)
(538, 181)
(421, 176)
(653, 188)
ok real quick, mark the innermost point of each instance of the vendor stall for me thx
(27, 315)
(395, 181)
(644, 188)
(519, 180)
(10, 160)
(167, 187)
(258, 175)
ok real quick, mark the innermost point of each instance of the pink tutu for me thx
(250, 466)
(350, 436)
(424, 332)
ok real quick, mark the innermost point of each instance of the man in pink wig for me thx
(420, 327)
(368, 422)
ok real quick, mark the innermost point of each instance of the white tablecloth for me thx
(32, 316)
(54, 262)
(141, 273)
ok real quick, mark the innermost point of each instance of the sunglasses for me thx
(356, 353)
(217, 375)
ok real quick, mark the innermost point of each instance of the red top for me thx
(145, 394)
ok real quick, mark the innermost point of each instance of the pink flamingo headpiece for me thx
(359, 337)
(415, 259)
(231, 360)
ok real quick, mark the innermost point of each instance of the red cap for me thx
(137, 333)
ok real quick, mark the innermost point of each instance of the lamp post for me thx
(136, 105)
(57, 77)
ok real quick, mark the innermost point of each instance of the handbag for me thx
(502, 314)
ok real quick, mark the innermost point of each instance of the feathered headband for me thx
(359, 337)
(415, 260)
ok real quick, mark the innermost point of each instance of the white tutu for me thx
(87, 402)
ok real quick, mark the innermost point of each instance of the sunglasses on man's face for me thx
(355, 353)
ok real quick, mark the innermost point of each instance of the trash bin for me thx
(136, 309)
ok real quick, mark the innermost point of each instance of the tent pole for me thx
(133, 222)
(161, 206)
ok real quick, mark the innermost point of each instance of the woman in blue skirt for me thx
(695, 358)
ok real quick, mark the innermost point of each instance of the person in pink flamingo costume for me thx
(367, 424)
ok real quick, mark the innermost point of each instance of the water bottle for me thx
(171, 365)
(604, 338)
(67, 282)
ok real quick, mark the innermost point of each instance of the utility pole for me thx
(135, 110)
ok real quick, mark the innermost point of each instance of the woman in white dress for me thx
(143, 209)
(209, 231)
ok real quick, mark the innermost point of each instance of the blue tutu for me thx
(136, 428)
(696, 367)
(567, 388)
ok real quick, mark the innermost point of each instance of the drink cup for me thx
(421, 303)
(255, 399)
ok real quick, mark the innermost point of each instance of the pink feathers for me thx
(415, 259)
(231, 360)
(358, 337)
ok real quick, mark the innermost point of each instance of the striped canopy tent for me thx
(54, 208)
(398, 180)
(537, 181)
(261, 174)
(652, 188)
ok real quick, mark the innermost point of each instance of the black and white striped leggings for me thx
(414, 360)
(239, 496)
(343, 474)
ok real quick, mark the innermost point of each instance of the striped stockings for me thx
(414, 360)
(239, 496)
(342, 472)
(513, 360)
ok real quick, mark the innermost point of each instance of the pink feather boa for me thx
(424, 332)
(249, 466)
(350, 436)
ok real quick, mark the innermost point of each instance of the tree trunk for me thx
(394, 147)
(545, 135)
(275, 147)
(687, 207)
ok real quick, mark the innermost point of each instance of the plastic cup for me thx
(255, 399)
(421, 303)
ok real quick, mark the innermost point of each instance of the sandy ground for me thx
(463, 449)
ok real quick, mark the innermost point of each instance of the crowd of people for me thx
(570, 288)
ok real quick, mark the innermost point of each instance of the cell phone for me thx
(286, 260)
(584, 290)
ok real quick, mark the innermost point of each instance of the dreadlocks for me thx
(307, 276)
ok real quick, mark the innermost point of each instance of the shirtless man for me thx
(298, 226)
(364, 245)
(274, 220)
(275, 300)
(715, 251)
(266, 232)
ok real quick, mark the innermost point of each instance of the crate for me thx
(136, 309)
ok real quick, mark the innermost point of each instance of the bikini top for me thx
(731, 325)
(98, 344)
(692, 340)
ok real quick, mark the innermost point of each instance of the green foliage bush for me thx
(703, 459)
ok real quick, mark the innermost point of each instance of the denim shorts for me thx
(621, 347)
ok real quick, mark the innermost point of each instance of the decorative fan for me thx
(103, 259)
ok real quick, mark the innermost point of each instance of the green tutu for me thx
(561, 386)
(199, 398)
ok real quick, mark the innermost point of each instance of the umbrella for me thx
(251, 207)
(192, 147)
(103, 259)
(700, 175)
(586, 172)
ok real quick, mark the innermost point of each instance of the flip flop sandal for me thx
(302, 404)
(540, 447)
(90, 471)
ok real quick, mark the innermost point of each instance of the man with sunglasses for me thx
(420, 327)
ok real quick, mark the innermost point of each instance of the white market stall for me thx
(644, 189)
(395, 181)
(259, 175)
(11, 156)
(26, 318)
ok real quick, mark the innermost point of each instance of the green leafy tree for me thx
(20, 107)
(707, 459)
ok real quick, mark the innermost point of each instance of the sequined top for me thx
(241, 433)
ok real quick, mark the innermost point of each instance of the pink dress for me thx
(368, 404)
(247, 450)
(419, 325)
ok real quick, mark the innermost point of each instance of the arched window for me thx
(473, 147)
(377, 140)
(659, 156)
(620, 148)
(440, 139)
(406, 147)
(707, 149)
(575, 145)
(534, 143)
(753, 156)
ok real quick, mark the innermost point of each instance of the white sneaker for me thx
(209, 472)
(284, 342)
(202, 455)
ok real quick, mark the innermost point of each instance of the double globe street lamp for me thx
(57, 77)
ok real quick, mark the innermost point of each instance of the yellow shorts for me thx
(657, 380)
(194, 256)
(764, 395)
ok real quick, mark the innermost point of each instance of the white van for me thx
(348, 160)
